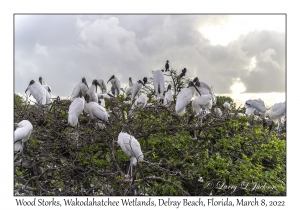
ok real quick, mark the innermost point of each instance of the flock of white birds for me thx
(85, 98)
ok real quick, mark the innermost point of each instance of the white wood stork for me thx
(130, 147)
(226, 105)
(44, 84)
(140, 102)
(115, 82)
(218, 112)
(159, 84)
(202, 105)
(276, 113)
(168, 98)
(256, 107)
(92, 91)
(184, 98)
(128, 90)
(104, 95)
(75, 109)
(136, 88)
(204, 89)
(94, 110)
(102, 85)
(22, 133)
(39, 93)
(101, 101)
(82, 86)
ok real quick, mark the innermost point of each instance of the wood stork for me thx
(226, 105)
(115, 82)
(92, 91)
(159, 84)
(202, 105)
(94, 110)
(82, 86)
(204, 89)
(140, 102)
(256, 107)
(39, 93)
(75, 109)
(184, 98)
(128, 89)
(276, 113)
(130, 147)
(218, 112)
(167, 66)
(22, 133)
(105, 95)
(136, 88)
(44, 84)
(168, 98)
(102, 85)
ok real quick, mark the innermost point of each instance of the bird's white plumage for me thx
(256, 107)
(22, 134)
(75, 109)
(227, 105)
(92, 91)
(105, 95)
(168, 97)
(96, 111)
(130, 147)
(136, 88)
(79, 87)
(102, 85)
(115, 82)
(158, 83)
(202, 103)
(277, 111)
(218, 112)
(39, 93)
(183, 99)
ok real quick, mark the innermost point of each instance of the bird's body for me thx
(218, 112)
(80, 87)
(92, 91)
(44, 84)
(95, 111)
(22, 134)
(167, 66)
(159, 84)
(182, 74)
(202, 103)
(75, 109)
(276, 113)
(39, 93)
(102, 85)
(184, 98)
(226, 105)
(115, 82)
(168, 98)
(256, 107)
(136, 88)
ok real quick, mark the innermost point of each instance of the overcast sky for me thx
(239, 55)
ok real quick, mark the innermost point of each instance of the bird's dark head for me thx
(125, 128)
(167, 61)
(87, 98)
(184, 70)
(130, 79)
(112, 77)
(196, 79)
(31, 83)
(140, 81)
(41, 80)
(84, 81)
(169, 87)
(145, 80)
(197, 84)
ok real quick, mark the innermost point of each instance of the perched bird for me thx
(101, 101)
(92, 91)
(128, 90)
(184, 98)
(44, 84)
(22, 133)
(167, 66)
(75, 109)
(183, 72)
(227, 106)
(115, 82)
(130, 147)
(82, 86)
(256, 107)
(136, 88)
(168, 96)
(94, 110)
(102, 85)
(202, 105)
(218, 112)
(276, 113)
(204, 89)
(140, 102)
(159, 84)
(39, 93)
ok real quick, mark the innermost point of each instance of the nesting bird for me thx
(94, 110)
(102, 85)
(39, 93)
(75, 109)
(44, 84)
(116, 85)
(218, 112)
(184, 98)
(140, 102)
(92, 91)
(159, 84)
(256, 107)
(22, 133)
(168, 98)
(226, 105)
(81, 86)
(130, 147)
(276, 113)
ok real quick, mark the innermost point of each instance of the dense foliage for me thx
(226, 155)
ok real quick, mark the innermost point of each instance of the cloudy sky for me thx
(242, 56)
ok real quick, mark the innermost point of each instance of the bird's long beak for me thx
(26, 90)
(86, 84)
(109, 79)
(196, 88)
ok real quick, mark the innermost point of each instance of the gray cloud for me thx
(64, 48)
